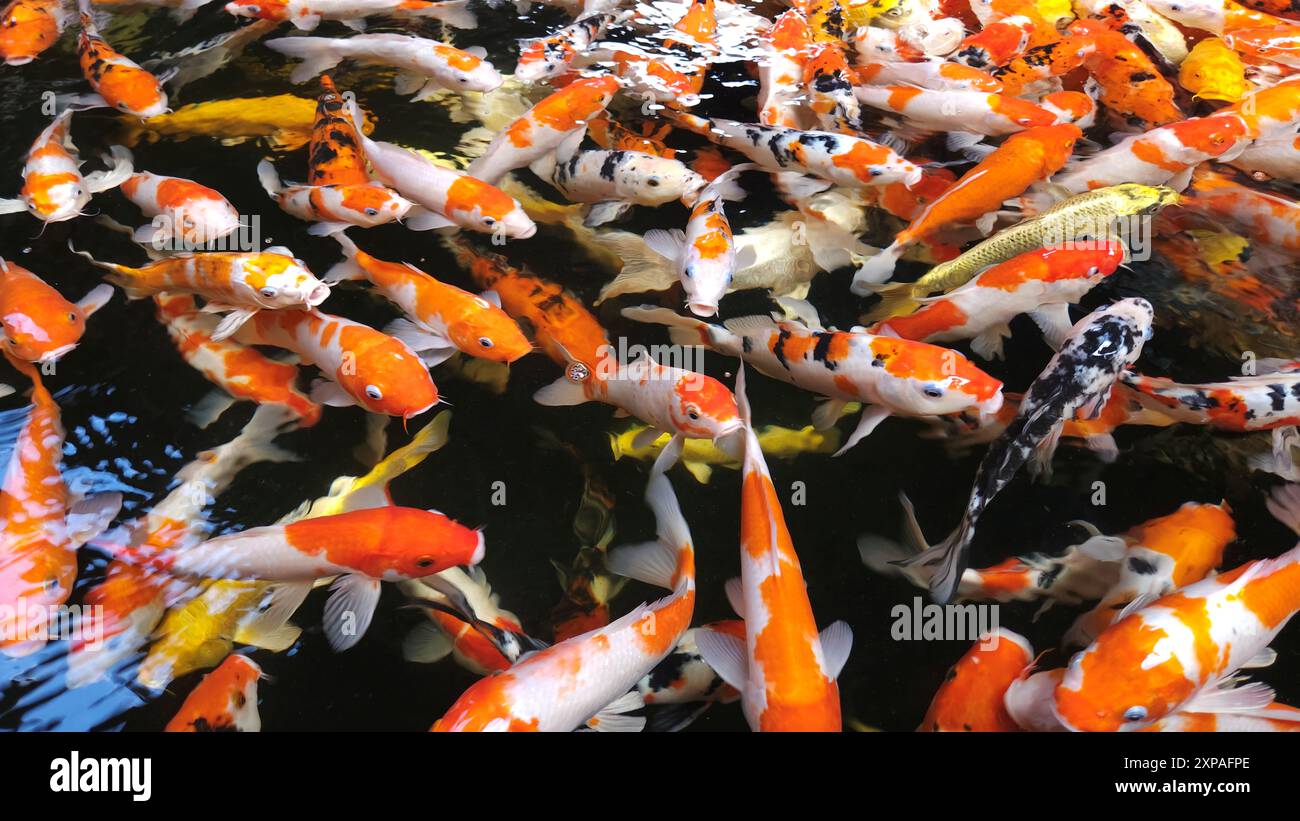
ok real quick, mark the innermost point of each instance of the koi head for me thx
(1071, 107)
(372, 204)
(260, 9)
(929, 380)
(56, 197)
(1131, 317)
(1214, 136)
(202, 220)
(1129, 677)
(37, 578)
(1022, 112)
(423, 542)
(704, 408)
(26, 30)
(480, 206)
(489, 334)
(1206, 15)
(42, 333)
(470, 72)
(384, 375)
(657, 180)
(279, 281)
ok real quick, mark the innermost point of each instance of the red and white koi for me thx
(785, 49)
(544, 127)
(224, 701)
(705, 253)
(895, 376)
(29, 27)
(973, 112)
(938, 75)
(54, 189)
(586, 680)
(308, 14)
(425, 66)
(546, 58)
(444, 634)
(784, 669)
(334, 208)
(36, 323)
(121, 83)
(997, 43)
(970, 700)
(361, 365)
(237, 284)
(182, 211)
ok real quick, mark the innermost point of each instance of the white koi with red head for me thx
(333, 208)
(896, 376)
(585, 680)
(974, 112)
(308, 14)
(705, 254)
(182, 210)
(784, 669)
(544, 127)
(546, 58)
(781, 96)
(426, 66)
(54, 189)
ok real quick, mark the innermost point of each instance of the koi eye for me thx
(693, 412)
(122, 106)
(1135, 714)
(653, 182)
(425, 561)
(485, 342)
(488, 221)
(932, 392)
(268, 292)
(372, 212)
(72, 316)
(374, 393)
(463, 79)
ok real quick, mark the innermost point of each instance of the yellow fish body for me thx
(1212, 71)
(700, 456)
(284, 121)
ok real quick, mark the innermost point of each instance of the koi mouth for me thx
(318, 295)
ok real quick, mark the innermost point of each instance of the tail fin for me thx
(896, 299)
(454, 13)
(269, 179)
(347, 268)
(120, 275)
(643, 269)
(947, 558)
(1284, 504)
(316, 53)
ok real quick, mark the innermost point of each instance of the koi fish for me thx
(1267, 400)
(241, 373)
(1268, 219)
(425, 66)
(447, 198)
(546, 58)
(1079, 375)
(1093, 213)
(997, 43)
(1129, 83)
(1179, 653)
(938, 75)
(1215, 16)
(224, 701)
(361, 366)
(705, 253)
(615, 181)
(1272, 718)
(1041, 283)
(1276, 44)
(544, 127)
(896, 376)
(963, 112)
(1021, 160)
(1044, 62)
(444, 634)
(970, 698)
(180, 210)
(780, 74)
(585, 680)
(41, 525)
(334, 208)
(1159, 557)
(308, 14)
(239, 285)
(562, 326)
(1137, 21)
(784, 669)
(441, 319)
(201, 632)
(121, 83)
(36, 323)
(29, 27)
(682, 686)
(54, 189)
(283, 122)
(829, 80)
(1214, 71)
(699, 457)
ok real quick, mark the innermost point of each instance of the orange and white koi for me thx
(1138, 22)
(705, 254)
(1055, 59)
(1278, 158)
(1276, 44)
(131, 600)
(41, 525)
(425, 66)
(334, 208)
(972, 112)
(586, 680)
(1215, 16)
(1162, 156)
(562, 326)
(308, 14)
(1071, 107)
(615, 181)
(544, 127)
(939, 75)
(895, 376)
(546, 58)
(829, 81)
(784, 669)
(1041, 283)
(1158, 557)
(36, 323)
(237, 284)
(1267, 400)
(838, 159)
(1271, 113)
(362, 366)
(121, 83)
(997, 44)
(1080, 375)
(1180, 653)
(54, 189)
(970, 700)
(1265, 218)
(181, 211)
(241, 373)
(1130, 84)
(29, 27)
(785, 49)
(447, 198)
(445, 634)
(441, 318)
(224, 701)
(1023, 159)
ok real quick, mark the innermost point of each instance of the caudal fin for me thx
(947, 559)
